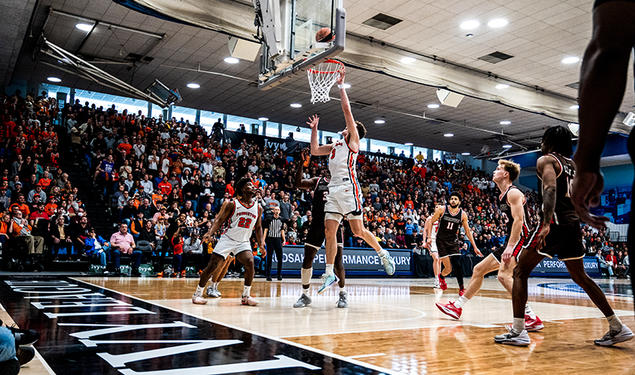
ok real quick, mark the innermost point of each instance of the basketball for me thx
(324, 35)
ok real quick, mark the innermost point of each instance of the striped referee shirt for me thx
(275, 227)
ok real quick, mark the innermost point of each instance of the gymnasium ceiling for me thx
(539, 34)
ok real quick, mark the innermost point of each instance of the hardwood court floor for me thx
(394, 324)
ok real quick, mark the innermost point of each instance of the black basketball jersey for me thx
(564, 213)
(503, 205)
(449, 226)
(319, 199)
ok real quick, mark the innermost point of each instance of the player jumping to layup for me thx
(512, 203)
(316, 236)
(558, 234)
(345, 194)
(243, 215)
(450, 219)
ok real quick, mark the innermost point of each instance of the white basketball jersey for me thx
(242, 222)
(342, 164)
(433, 232)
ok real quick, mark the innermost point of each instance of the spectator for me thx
(193, 250)
(122, 242)
(97, 247)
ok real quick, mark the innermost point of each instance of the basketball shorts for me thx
(226, 246)
(343, 201)
(518, 247)
(316, 236)
(447, 249)
(433, 246)
(563, 241)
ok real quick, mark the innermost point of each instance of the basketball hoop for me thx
(322, 77)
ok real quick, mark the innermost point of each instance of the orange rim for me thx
(329, 61)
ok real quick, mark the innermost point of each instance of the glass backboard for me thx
(288, 29)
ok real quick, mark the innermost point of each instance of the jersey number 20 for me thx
(244, 222)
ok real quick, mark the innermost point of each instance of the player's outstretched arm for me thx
(316, 149)
(303, 183)
(469, 234)
(258, 229)
(438, 212)
(351, 126)
(546, 169)
(226, 210)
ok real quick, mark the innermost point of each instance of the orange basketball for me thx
(324, 35)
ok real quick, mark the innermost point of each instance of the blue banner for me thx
(357, 261)
(556, 268)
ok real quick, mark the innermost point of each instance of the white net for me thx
(322, 77)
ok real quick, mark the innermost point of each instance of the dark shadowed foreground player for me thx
(602, 84)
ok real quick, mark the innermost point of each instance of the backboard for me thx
(287, 29)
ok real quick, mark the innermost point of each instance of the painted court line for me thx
(308, 348)
(367, 355)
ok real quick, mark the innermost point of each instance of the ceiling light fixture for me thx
(231, 60)
(574, 128)
(505, 122)
(465, 153)
(54, 79)
(408, 144)
(433, 106)
(570, 60)
(380, 121)
(507, 146)
(193, 85)
(263, 119)
(448, 135)
(469, 35)
(408, 60)
(84, 27)
(574, 107)
(469, 24)
(295, 105)
(502, 86)
(497, 23)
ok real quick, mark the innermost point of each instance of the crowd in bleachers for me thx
(164, 181)
(40, 206)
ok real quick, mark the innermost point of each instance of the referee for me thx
(274, 238)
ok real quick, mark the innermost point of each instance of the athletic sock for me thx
(246, 290)
(215, 286)
(199, 291)
(615, 323)
(305, 291)
(461, 301)
(519, 325)
(530, 312)
(329, 269)
(342, 290)
(306, 274)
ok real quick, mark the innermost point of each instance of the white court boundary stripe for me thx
(315, 350)
(367, 355)
(46, 365)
